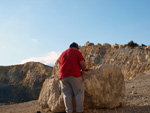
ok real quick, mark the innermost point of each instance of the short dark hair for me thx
(74, 45)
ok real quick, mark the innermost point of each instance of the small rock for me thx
(132, 87)
(134, 92)
(106, 45)
(89, 44)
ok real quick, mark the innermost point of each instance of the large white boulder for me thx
(104, 88)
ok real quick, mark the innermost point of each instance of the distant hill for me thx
(20, 83)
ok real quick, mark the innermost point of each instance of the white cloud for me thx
(34, 40)
(50, 59)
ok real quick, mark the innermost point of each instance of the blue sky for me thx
(40, 30)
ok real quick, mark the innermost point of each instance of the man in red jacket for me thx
(72, 64)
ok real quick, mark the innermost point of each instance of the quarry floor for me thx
(137, 100)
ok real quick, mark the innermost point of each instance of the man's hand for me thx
(82, 65)
(82, 73)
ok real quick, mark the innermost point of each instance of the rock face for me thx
(131, 61)
(104, 88)
(21, 83)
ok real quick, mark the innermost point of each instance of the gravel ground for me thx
(137, 100)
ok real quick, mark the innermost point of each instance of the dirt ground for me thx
(137, 100)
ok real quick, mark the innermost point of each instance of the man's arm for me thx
(82, 65)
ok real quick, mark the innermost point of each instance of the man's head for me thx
(74, 45)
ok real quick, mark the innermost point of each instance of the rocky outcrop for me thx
(21, 83)
(104, 88)
(132, 61)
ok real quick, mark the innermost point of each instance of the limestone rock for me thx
(115, 46)
(106, 45)
(51, 96)
(20, 83)
(104, 88)
(99, 45)
(121, 46)
(89, 44)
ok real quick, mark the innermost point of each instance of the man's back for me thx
(69, 63)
